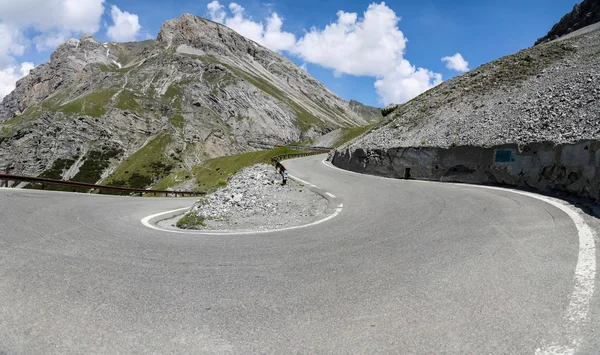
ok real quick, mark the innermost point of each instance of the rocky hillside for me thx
(550, 92)
(584, 14)
(130, 113)
(370, 113)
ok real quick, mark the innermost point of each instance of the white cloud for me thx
(51, 15)
(47, 23)
(9, 76)
(216, 12)
(371, 45)
(405, 82)
(304, 67)
(269, 35)
(47, 41)
(12, 42)
(457, 63)
(126, 26)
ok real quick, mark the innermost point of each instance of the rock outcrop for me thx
(128, 113)
(584, 14)
(531, 120)
(547, 93)
(372, 114)
(254, 199)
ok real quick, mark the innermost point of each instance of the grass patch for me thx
(11, 126)
(303, 144)
(172, 91)
(94, 165)
(191, 220)
(145, 166)
(177, 122)
(59, 167)
(90, 171)
(386, 111)
(213, 173)
(172, 180)
(214, 170)
(219, 77)
(173, 95)
(127, 101)
(349, 134)
(221, 183)
(93, 105)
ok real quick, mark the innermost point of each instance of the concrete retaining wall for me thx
(571, 168)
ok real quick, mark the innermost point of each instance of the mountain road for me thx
(406, 267)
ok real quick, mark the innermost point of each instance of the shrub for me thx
(191, 220)
(386, 111)
(221, 183)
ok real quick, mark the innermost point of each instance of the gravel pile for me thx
(254, 199)
(549, 92)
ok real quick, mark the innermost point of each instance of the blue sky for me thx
(480, 31)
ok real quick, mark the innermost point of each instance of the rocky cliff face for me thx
(130, 113)
(372, 114)
(550, 92)
(584, 14)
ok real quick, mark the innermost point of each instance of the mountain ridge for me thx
(199, 91)
(582, 15)
(546, 93)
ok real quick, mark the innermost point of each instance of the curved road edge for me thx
(585, 270)
(334, 208)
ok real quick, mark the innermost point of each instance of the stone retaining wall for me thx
(571, 168)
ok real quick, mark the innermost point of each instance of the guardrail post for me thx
(7, 170)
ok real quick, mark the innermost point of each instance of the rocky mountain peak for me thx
(583, 15)
(199, 91)
(66, 62)
(208, 36)
(186, 28)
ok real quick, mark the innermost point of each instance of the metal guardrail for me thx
(306, 147)
(278, 158)
(5, 178)
(100, 188)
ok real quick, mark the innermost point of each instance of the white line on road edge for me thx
(146, 220)
(585, 271)
(304, 182)
(330, 194)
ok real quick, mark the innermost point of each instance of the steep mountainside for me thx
(130, 113)
(372, 114)
(550, 92)
(584, 14)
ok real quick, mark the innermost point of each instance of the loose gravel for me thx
(255, 199)
(549, 92)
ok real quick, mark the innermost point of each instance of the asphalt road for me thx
(406, 267)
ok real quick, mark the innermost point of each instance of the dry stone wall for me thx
(570, 168)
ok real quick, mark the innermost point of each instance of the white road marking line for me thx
(304, 182)
(585, 270)
(330, 194)
(146, 222)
